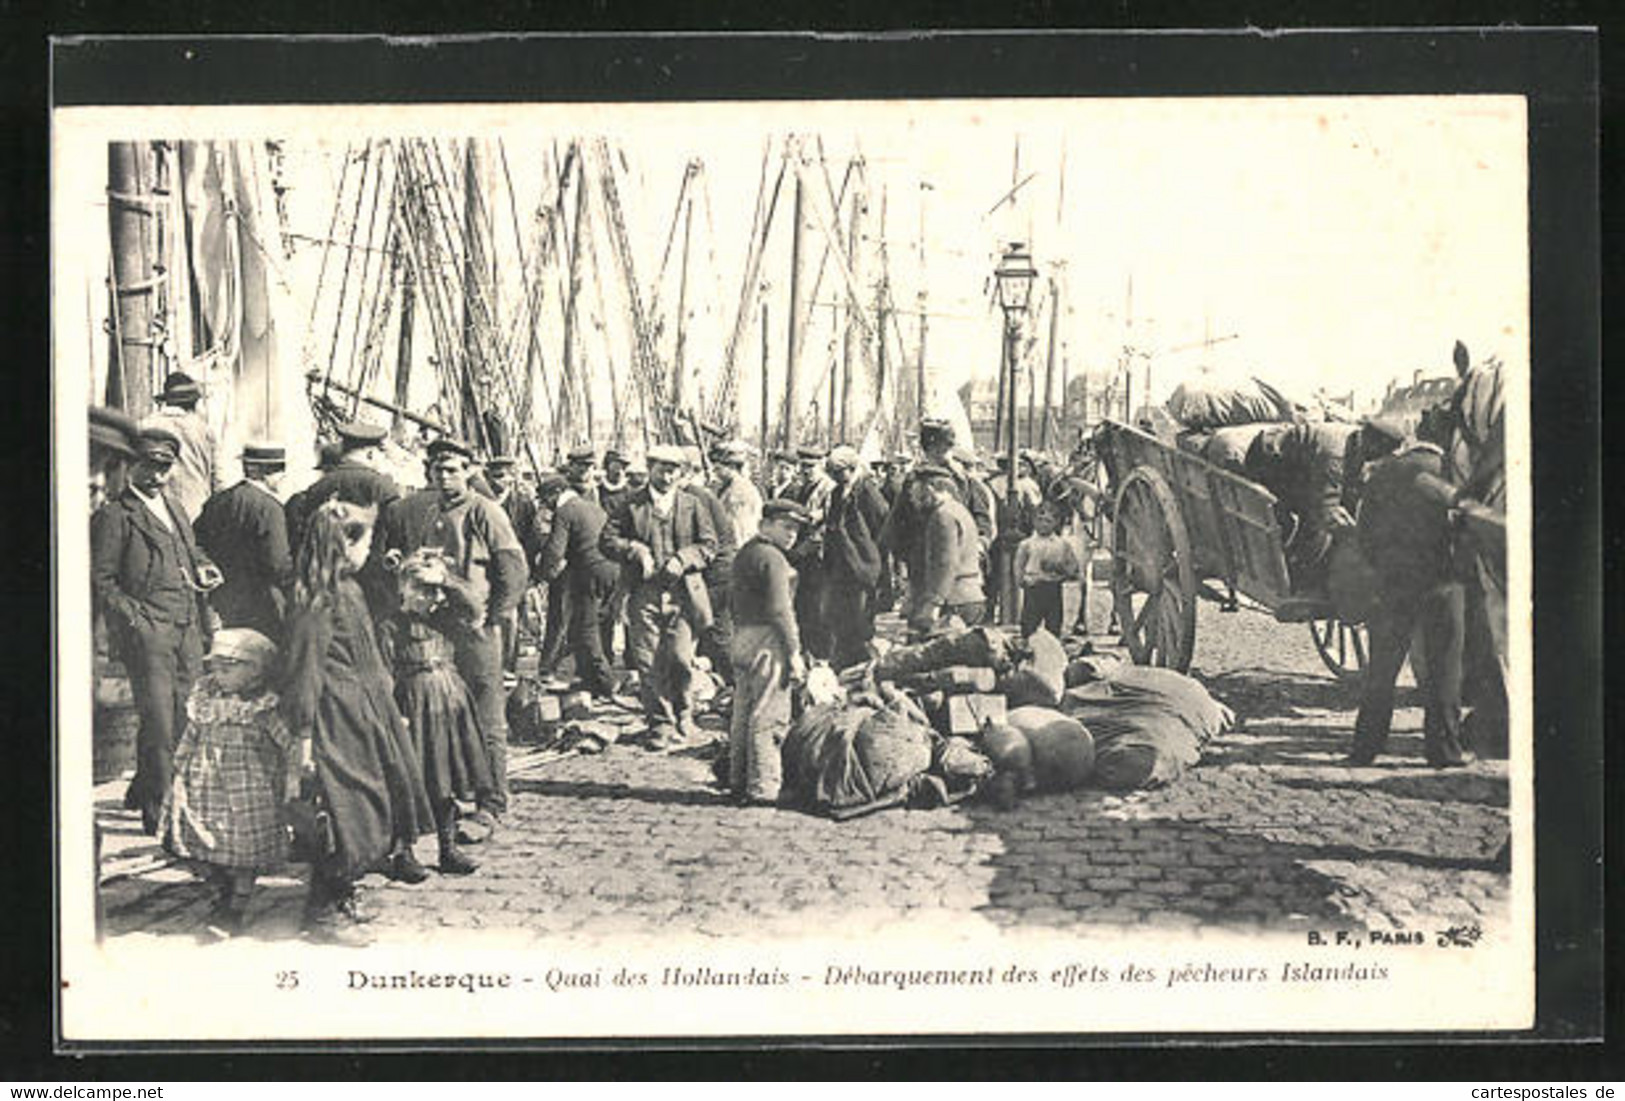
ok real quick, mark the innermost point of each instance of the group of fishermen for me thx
(680, 559)
(686, 557)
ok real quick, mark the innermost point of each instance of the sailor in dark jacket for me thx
(355, 478)
(572, 561)
(147, 573)
(853, 520)
(480, 543)
(525, 516)
(244, 531)
(906, 522)
(1405, 534)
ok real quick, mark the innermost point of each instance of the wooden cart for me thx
(1182, 527)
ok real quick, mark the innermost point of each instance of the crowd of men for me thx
(631, 573)
(635, 573)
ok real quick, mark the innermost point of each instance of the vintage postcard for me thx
(793, 569)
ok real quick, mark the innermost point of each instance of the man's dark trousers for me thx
(162, 660)
(479, 662)
(1439, 611)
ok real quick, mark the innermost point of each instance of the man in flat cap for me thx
(577, 573)
(479, 542)
(197, 472)
(811, 490)
(356, 478)
(949, 579)
(715, 639)
(613, 486)
(147, 575)
(853, 558)
(1405, 534)
(579, 467)
(113, 437)
(529, 524)
(781, 472)
(663, 539)
(731, 481)
(245, 531)
(906, 523)
(766, 653)
(1375, 439)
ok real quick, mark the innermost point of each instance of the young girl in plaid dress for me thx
(231, 769)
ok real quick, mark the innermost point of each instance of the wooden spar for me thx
(344, 275)
(919, 360)
(129, 376)
(478, 276)
(853, 335)
(403, 350)
(378, 403)
(677, 394)
(572, 366)
(788, 427)
(767, 444)
(723, 409)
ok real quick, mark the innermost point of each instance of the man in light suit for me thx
(664, 539)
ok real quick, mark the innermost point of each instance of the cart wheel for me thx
(1342, 646)
(1153, 576)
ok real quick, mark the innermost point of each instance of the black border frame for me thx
(1557, 69)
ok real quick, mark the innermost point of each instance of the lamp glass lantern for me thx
(1015, 275)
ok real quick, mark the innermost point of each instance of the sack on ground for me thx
(1007, 748)
(844, 755)
(1063, 750)
(1040, 677)
(1149, 725)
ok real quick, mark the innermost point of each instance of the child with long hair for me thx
(435, 604)
(339, 701)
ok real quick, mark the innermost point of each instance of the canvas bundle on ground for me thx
(1204, 405)
(1148, 724)
(970, 646)
(1063, 751)
(1039, 676)
(845, 755)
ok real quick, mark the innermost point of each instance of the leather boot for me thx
(404, 867)
(453, 861)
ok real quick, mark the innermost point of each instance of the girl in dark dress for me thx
(435, 604)
(352, 739)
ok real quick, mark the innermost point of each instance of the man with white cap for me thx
(664, 539)
(853, 519)
(147, 575)
(245, 531)
(734, 487)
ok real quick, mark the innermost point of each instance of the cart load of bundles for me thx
(975, 714)
(1220, 422)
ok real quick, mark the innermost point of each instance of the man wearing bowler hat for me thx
(664, 540)
(147, 575)
(196, 473)
(477, 538)
(245, 531)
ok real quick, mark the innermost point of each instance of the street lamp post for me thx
(1014, 275)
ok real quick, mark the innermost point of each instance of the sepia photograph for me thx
(589, 570)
